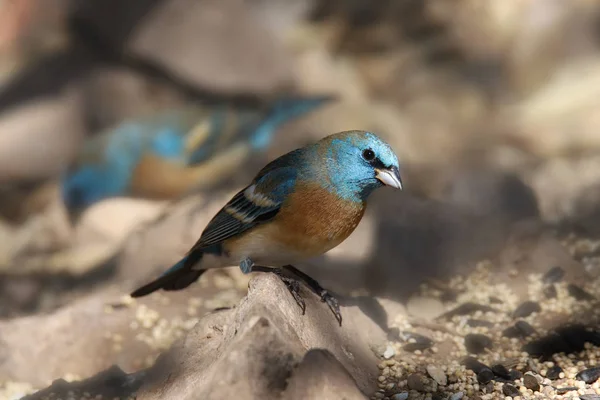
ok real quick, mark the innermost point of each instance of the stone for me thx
(510, 390)
(427, 308)
(437, 374)
(553, 372)
(526, 308)
(531, 382)
(477, 343)
(40, 138)
(415, 382)
(389, 352)
(554, 275)
(245, 352)
(589, 375)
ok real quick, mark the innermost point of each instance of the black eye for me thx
(368, 155)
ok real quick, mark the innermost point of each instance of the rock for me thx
(554, 275)
(321, 376)
(550, 292)
(247, 351)
(578, 293)
(589, 375)
(415, 382)
(484, 376)
(510, 390)
(515, 375)
(553, 372)
(520, 329)
(389, 352)
(437, 374)
(477, 343)
(525, 309)
(501, 371)
(427, 308)
(589, 397)
(466, 309)
(475, 323)
(115, 219)
(474, 365)
(39, 139)
(216, 45)
(531, 382)
(400, 396)
(412, 347)
(457, 396)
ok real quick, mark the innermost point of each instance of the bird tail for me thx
(179, 276)
(284, 110)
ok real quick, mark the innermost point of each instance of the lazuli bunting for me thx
(173, 153)
(299, 206)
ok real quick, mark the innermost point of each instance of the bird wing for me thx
(255, 204)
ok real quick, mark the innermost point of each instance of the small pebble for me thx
(510, 390)
(578, 293)
(475, 323)
(457, 396)
(525, 328)
(412, 347)
(501, 371)
(553, 373)
(484, 376)
(526, 308)
(466, 309)
(550, 292)
(563, 390)
(437, 374)
(554, 274)
(515, 375)
(400, 396)
(389, 352)
(589, 397)
(474, 365)
(477, 343)
(589, 375)
(416, 383)
(531, 382)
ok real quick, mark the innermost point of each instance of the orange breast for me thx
(312, 221)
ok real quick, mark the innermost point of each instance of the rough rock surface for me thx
(264, 348)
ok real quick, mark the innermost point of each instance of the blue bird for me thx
(168, 155)
(299, 206)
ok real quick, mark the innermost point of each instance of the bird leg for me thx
(319, 290)
(290, 283)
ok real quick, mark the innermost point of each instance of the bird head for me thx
(359, 162)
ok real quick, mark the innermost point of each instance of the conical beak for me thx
(389, 177)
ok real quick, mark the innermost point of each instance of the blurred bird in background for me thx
(299, 206)
(171, 154)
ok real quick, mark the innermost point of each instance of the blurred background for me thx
(124, 125)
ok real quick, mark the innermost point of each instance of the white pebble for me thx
(389, 352)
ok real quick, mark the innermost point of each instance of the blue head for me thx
(357, 163)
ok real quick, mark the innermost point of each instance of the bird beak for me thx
(389, 177)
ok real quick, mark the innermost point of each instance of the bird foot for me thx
(293, 285)
(333, 305)
(294, 288)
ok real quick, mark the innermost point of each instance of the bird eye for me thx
(368, 154)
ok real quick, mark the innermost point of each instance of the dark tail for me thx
(179, 276)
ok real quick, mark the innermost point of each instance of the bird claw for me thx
(294, 288)
(333, 304)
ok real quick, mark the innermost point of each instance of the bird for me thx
(298, 206)
(167, 155)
